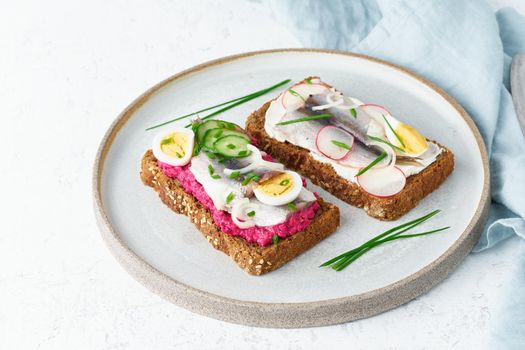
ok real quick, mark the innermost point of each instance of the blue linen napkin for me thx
(466, 49)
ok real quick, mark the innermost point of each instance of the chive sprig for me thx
(228, 105)
(343, 260)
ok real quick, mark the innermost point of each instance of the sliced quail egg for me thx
(281, 188)
(405, 137)
(174, 147)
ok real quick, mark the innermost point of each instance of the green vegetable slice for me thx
(213, 135)
(232, 146)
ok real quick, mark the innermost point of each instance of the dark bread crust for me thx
(417, 187)
(254, 259)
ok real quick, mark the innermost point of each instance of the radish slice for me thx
(383, 183)
(291, 101)
(360, 157)
(376, 112)
(330, 133)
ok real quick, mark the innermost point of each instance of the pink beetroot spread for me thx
(296, 222)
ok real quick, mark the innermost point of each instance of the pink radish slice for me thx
(375, 111)
(384, 182)
(360, 157)
(291, 101)
(324, 143)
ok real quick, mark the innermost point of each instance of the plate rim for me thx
(286, 315)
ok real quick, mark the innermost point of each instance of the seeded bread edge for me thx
(252, 258)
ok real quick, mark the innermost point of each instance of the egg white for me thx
(285, 198)
(165, 158)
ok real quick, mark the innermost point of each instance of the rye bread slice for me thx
(252, 258)
(324, 175)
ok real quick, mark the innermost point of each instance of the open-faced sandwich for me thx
(245, 204)
(359, 152)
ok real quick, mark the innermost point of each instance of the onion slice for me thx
(295, 100)
(325, 142)
(257, 162)
(383, 182)
(239, 209)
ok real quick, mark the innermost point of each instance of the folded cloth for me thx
(466, 49)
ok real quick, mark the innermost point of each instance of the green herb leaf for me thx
(251, 213)
(378, 139)
(167, 141)
(353, 112)
(291, 206)
(341, 261)
(249, 177)
(235, 174)
(229, 104)
(392, 129)
(230, 198)
(305, 119)
(275, 239)
(284, 182)
(296, 94)
(341, 144)
(210, 169)
(196, 149)
(374, 162)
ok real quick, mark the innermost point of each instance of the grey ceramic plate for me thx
(167, 254)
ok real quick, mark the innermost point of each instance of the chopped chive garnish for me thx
(235, 174)
(353, 112)
(210, 169)
(275, 239)
(215, 177)
(392, 129)
(231, 146)
(251, 213)
(242, 153)
(296, 94)
(341, 144)
(256, 178)
(343, 260)
(291, 206)
(166, 141)
(308, 80)
(178, 155)
(229, 104)
(284, 182)
(250, 177)
(305, 119)
(230, 198)
(378, 139)
(196, 149)
(372, 163)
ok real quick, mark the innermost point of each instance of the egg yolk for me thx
(175, 145)
(413, 140)
(277, 185)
